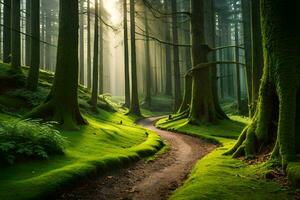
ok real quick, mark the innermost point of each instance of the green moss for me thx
(96, 148)
(294, 173)
(222, 177)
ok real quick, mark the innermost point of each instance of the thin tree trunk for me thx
(148, 82)
(95, 62)
(246, 14)
(89, 64)
(101, 61)
(33, 76)
(237, 69)
(7, 31)
(126, 55)
(28, 32)
(257, 52)
(48, 37)
(81, 39)
(177, 78)
(134, 104)
(167, 28)
(15, 36)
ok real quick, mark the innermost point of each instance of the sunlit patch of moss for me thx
(221, 177)
(103, 145)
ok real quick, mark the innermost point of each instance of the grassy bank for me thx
(221, 177)
(111, 140)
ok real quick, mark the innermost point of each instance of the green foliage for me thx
(33, 98)
(222, 177)
(28, 139)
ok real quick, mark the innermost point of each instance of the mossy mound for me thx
(217, 176)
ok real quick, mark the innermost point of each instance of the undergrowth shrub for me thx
(34, 98)
(29, 139)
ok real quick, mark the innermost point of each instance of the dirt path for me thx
(147, 180)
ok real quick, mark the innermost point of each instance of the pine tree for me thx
(61, 104)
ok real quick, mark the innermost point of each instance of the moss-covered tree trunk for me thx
(62, 104)
(6, 31)
(95, 91)
(276, 122)
(33, 76)
(176, 65)
(15, 36)
(134, 104)
(126, 55)
(185, 105)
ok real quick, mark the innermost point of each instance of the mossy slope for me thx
(221, 177)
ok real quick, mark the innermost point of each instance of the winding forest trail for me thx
(147, 180)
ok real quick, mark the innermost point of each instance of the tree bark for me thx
(134, 104)
(275, 124)
(177, 78)
(101, 46)
(257, 52)
(15, 36)
(246, 15)
(62, 103)
(237, 69)
(126, 55)
(148, 83)
(81, 39)
(95, 91)
(203, 107)
(48, 36)
(89, 57)
(28, 32)
(7, 31)
(33, 76)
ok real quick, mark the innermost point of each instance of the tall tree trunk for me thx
(101, 61)
(89, 57)
(257, 52)
(168, 80)
(48, 36)
(210, 34)
(177, 78)
(95, 62)
(28, 33)
(7, 31)
(134, 104)
(33, 76)
(203, 108)
(148, 82)
(43, 35)
(126, 55)
(15, 36)
(81, 39)
(62, 103)
(279, 90)
(246, 15)
(237, 69)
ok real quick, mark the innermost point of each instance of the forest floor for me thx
(111, 140)
(217, 176)
(148, 179)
